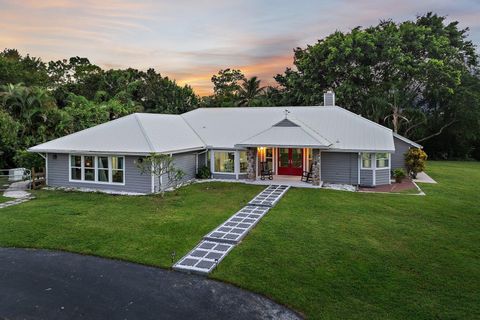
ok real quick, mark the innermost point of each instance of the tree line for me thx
(420, 78)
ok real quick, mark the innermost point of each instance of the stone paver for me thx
(204, 257)
(218, 243)
(270, 196)
(237, 226)
(15, 202)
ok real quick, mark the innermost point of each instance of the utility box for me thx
(16, 174)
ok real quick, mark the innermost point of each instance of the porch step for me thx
(237, 226)
(270, 196)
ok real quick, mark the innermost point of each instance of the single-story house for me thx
(338, 146)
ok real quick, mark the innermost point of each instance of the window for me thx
(117, 169)
(382, 160)
(243, 161)
(366, 160)
(102, 169)
(76, 167)
(224, 161)
(89, 168)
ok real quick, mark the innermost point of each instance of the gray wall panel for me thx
(339, 167)
(398, 158)
(382, 176)
(366, 178)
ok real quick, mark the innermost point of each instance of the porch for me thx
(292, 181)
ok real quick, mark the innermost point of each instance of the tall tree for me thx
(405, 75)
(249, 91)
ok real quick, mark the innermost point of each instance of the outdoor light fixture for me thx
(173, 256)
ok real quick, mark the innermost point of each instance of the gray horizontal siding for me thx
(135, 181)
(382, 176)
(202, 160)
(185, 162)
(366, 178)
(398, 158)
(339, 167)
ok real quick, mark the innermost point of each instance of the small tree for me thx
(163, 168)
(415, 160)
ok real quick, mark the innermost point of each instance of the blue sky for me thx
(192, 40)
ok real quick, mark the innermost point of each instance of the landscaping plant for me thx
(204, 173)
(399, 174)
(415, 160)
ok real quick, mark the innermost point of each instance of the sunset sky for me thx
(191, 40)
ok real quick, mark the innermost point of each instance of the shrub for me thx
(399, 174)
(204, 173)
(415, 161)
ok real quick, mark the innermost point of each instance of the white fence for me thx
(10, 177)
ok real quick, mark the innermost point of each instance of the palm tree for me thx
(248, 91)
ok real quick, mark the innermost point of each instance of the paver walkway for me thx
(17, 191)
(218, 243)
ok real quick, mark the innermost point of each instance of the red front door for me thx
(290, 161)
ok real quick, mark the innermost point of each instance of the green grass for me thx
(328, 254)
(4, 199)
(144, 229)
(341, 255)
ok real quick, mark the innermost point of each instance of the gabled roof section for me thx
(285, 123)
(133, 134)
(286, 133)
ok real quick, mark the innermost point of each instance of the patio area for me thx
(292, 181)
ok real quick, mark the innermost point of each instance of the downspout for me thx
(359, 164)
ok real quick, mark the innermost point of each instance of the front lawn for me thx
(340, 255)
(329, 254)
(4, 199)
(144, 229)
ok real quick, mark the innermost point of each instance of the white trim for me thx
(95, 168)
(236, 163)
(359, 164)
(46, 169)
(374, 166)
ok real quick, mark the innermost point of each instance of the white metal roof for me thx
(228, 128)
(132, 134)
(347, 131)
(286, 133)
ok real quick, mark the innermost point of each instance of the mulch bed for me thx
(406, 184)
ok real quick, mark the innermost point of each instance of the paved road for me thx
(41, 284)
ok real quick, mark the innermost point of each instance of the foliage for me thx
(415, 160)
(418, 77)
(204, 173)
(399, 174)
(162, 166)
(28, 160)
(42, 101)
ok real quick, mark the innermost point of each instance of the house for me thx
(337, 145)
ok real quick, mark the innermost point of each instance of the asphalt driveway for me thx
(41, 284)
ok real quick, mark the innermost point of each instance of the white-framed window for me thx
(97, 169)
(382, 160)
(242, 155)
(224, 161)
(367, 160)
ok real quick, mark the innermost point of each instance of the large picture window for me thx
(382, 160)
(224, 161)
(366, 161)
(101, 169)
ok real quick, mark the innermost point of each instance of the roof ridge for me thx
(142, 129)
(194, 131)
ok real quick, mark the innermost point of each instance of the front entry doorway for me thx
(290, 161)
